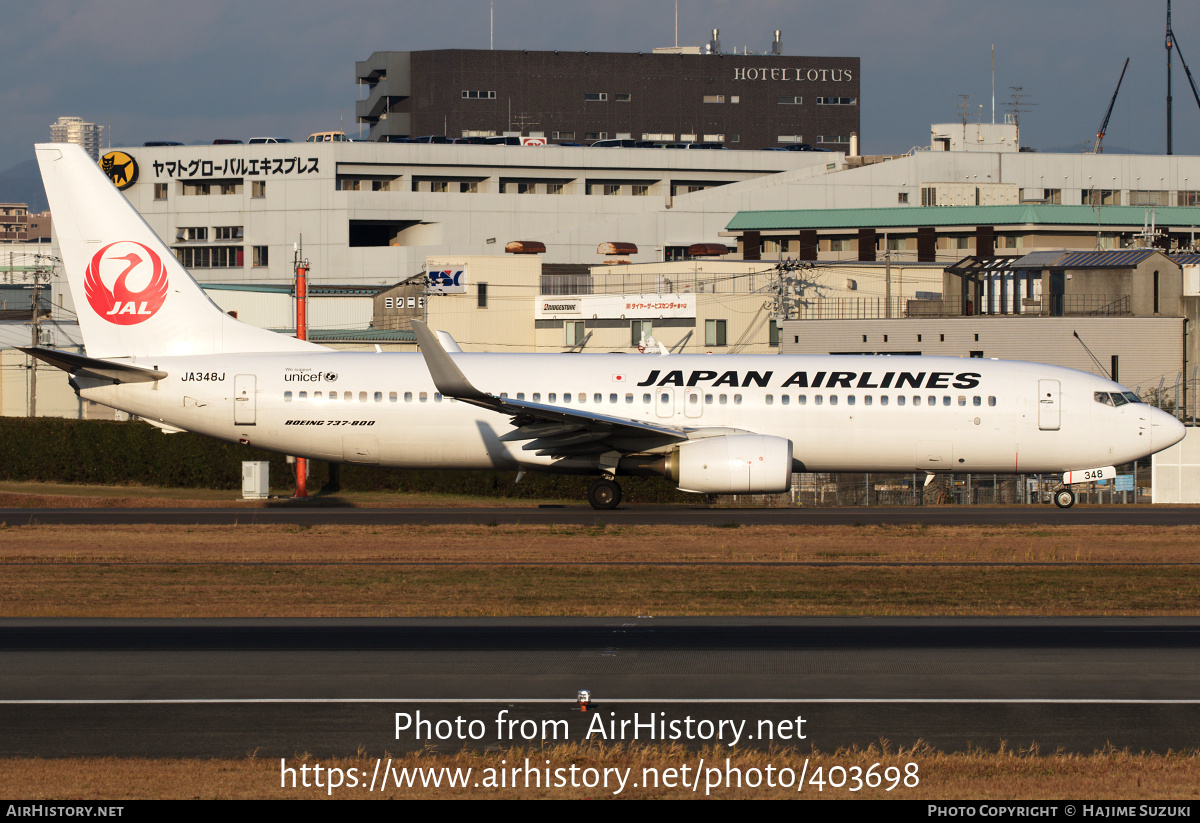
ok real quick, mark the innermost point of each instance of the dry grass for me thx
(365, 571)
(967, 776)
(523, 544)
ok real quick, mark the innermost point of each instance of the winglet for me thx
(446, 375)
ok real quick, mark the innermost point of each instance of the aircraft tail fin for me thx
(132, 296)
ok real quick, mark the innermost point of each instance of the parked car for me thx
(614, 144)
(269, 140)
(328, 137)
(150, 143)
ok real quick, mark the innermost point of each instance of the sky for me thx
(195, 71)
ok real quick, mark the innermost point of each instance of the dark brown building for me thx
(739, 101)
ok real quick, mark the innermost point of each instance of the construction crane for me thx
(1172, 42)
(1104, 126)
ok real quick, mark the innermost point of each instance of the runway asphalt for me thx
(286, 513)
(334, 687)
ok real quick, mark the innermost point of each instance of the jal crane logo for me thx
(126, 264)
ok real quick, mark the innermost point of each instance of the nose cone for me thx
(1165, 429)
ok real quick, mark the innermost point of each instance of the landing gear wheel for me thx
(604, 494)
(1064, 498)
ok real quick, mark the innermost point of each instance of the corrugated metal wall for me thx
(1148, 349)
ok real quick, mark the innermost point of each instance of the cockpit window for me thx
(1116, 398)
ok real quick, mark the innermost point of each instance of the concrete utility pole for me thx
(35, 332)
(887, 278)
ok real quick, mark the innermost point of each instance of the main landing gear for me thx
(1064, 498)
(604, 494)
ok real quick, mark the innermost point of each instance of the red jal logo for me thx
(121, 305)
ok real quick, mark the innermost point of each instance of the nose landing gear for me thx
(1064, 498)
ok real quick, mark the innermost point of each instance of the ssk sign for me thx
(446, 281)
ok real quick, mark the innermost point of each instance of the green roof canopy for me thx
(911, 216)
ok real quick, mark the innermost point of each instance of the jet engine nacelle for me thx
(733, 464)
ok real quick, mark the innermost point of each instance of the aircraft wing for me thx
(558, 431)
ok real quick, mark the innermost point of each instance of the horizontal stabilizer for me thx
(103, 369)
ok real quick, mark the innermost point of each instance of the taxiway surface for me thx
(293, 514)
(333, 687)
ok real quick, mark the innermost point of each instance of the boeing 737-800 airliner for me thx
(157, 347)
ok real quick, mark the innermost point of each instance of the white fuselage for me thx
(842, 413)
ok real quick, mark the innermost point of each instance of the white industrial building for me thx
(371, 213)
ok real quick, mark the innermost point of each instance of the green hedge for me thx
(102, 452)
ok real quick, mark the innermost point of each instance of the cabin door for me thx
(1049, 408)
(244, 412)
